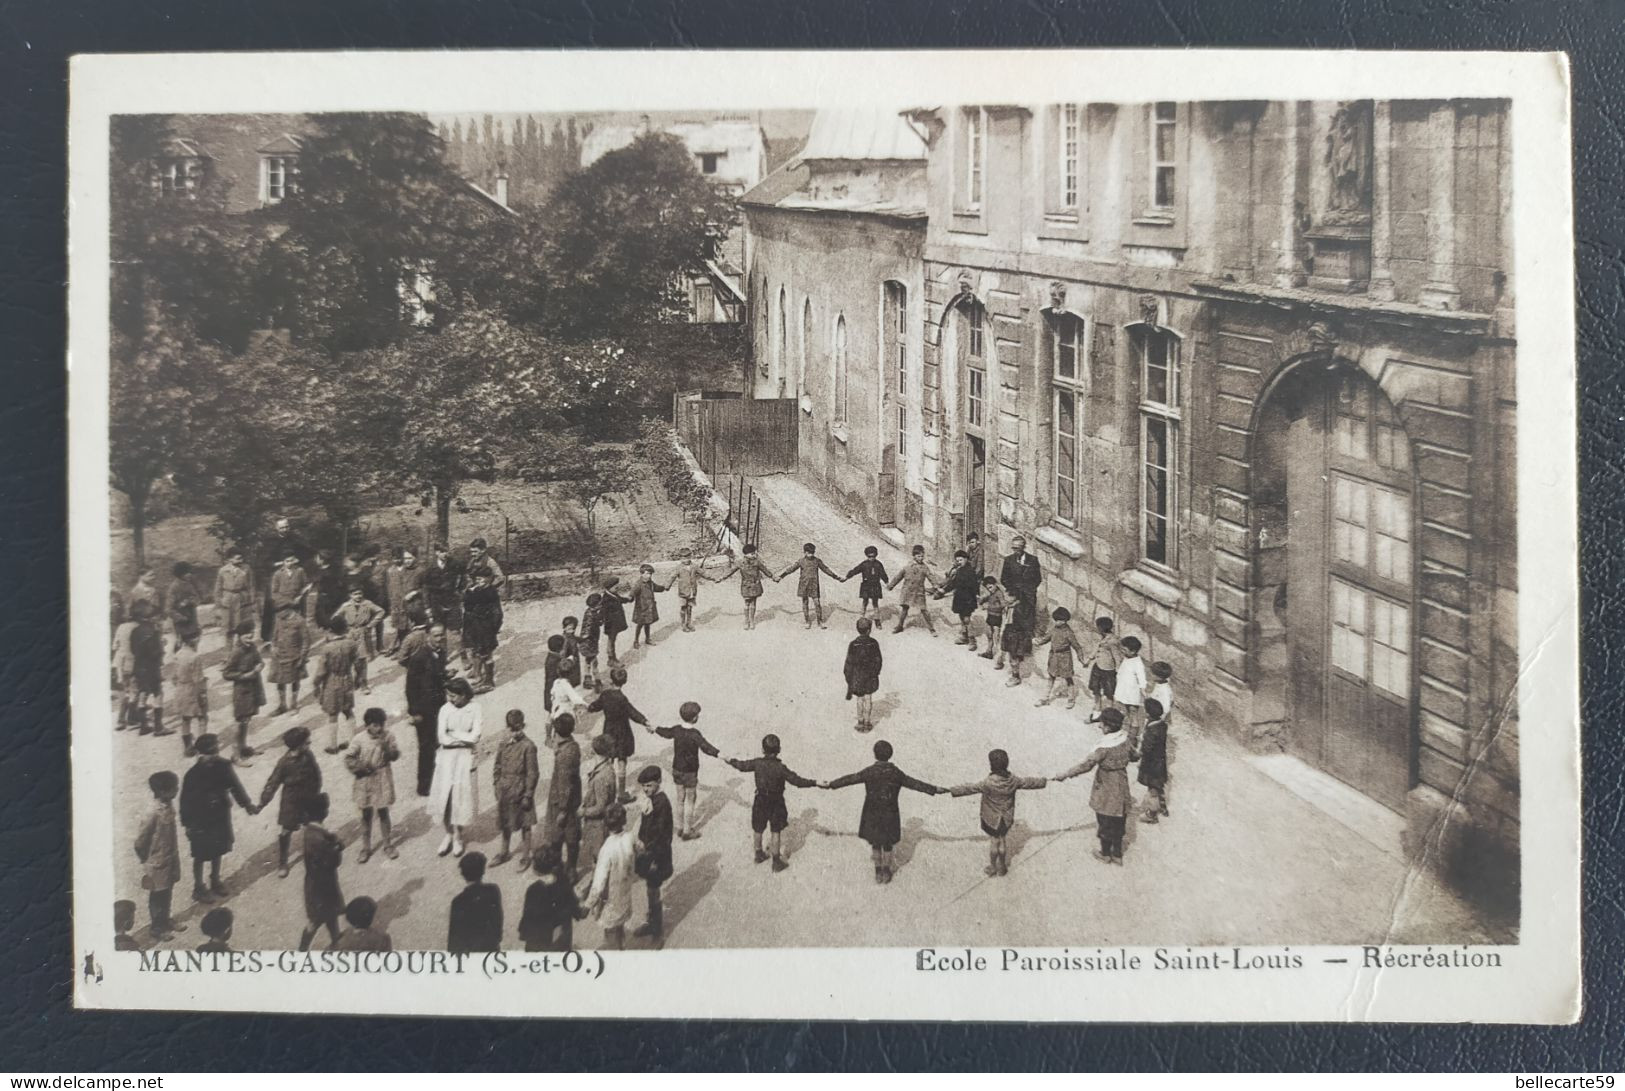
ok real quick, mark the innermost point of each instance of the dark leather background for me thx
(39, 1031)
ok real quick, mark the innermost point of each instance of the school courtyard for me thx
(1256, 852)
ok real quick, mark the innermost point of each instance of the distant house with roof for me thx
(833, 242)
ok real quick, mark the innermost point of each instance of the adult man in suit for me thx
(1021, 574)
(283, 543)
(426, 674)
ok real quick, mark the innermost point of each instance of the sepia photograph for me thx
(1033, 529)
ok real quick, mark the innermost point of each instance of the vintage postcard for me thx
(974, 535)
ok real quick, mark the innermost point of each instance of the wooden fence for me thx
(733, 435)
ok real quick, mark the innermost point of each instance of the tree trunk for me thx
(592, 541)
(442, 513)
(138, 529)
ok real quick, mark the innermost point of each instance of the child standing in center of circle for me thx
(862, 670)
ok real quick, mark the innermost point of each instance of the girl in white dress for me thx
(452, 792)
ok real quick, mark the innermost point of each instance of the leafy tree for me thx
(448, 407)
(621, 231)
(152, 390)
(377, 206)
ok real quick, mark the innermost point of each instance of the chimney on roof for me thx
(502, 187)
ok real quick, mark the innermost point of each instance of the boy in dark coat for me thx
(645, 611)
(613, 607)
(961, 582)
(476, 913)
(562, 821)
(183, 603)
(687, 743)
(880, 824)
(514, 777)
(767, 811)
(1017, 639)
(207, 793)
(862, 671)
(1109, 799)
(998, 791)
(1154, 760)
(299, 779)
(654, 850)
(592, 628)
(551, 907)
(619, 716)
(871, 581)
(323, 852)
(482, 614)
(807, 586)
(244, 670)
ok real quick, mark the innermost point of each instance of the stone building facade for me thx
(1242, 374)
(835, 242)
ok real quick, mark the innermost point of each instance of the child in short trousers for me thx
(768, 813)
(687, 745)
(998, 791)
(993, 599)
(871, 582)
(1103, 669)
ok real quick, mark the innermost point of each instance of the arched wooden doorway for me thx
(1334, 532)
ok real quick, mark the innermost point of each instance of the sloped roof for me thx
(283, 144)
(857, 133)
(787, 180)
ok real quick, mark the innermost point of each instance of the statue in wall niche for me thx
(967, 286)
(1348, 163)
(1057, 296)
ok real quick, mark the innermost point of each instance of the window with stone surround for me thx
(1067, 165)
(781, 358)
(1160, 421)
(972, 151)
(1164, 144)
(894, 321)
(1067, 381)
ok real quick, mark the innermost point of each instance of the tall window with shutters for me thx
(1067, 380)
(1069, 155)
(1159, 446)
(1164, 143)
(972, 149)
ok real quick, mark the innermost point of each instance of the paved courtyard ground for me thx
(1242, 860)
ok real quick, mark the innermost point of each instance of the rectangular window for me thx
(1070, 146)
(1159, 446)
(709, 162)
(1163, 142)
(1069, 409)
(902, 429)
(978, 331)
(278, 178)
(1348, 628)
(1066, 455)
(1390, 647)
(1391, 519)
(1371, 528)
(973, 122)
(977, 392)
(1350, 521)
(178, 176)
